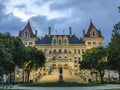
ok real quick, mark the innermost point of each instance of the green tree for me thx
(114, 49)
(35, 59)
(15, 48)
(95, 60)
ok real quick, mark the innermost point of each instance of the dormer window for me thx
(26, 33)
(93, 33)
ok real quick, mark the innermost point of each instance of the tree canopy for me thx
(95, 60)
(114, 49)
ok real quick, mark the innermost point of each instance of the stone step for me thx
(54, 77)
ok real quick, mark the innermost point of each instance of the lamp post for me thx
(17, 76)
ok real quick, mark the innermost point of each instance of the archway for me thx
(75, 67)
(59, 66)
(65, 66)
(54, 66)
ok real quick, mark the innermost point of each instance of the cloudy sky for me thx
(59, 15)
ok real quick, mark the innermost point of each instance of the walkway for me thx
(69, 88)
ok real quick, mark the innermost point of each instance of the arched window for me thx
(54, 41)
(60, 51)
(54, 51)
(26, 33)
(65, 41)
(65, 66)
(93, 33)
(54, 66)
(78, 51)
(74, 51)
(60, 41)
(65, 51)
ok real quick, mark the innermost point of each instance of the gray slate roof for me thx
(48, 39)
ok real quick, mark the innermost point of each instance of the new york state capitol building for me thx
(61, 50)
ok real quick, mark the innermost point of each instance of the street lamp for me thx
(17, 76)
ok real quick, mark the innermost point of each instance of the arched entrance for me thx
(75, 67)
(59, 66)
(65, 66)
(54, 66)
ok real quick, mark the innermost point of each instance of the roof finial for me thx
(90, 20)
(28, 20)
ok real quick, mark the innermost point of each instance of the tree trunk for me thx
(96, 77)
(10, 78)
(23, 76)
(101, 72)
(28, 75)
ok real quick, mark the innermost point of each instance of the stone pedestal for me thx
(61, 78)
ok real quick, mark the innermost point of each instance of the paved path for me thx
(69, 88)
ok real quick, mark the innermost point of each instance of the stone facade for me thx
(62, 50)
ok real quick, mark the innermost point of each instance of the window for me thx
(25, 43)
(82, 50)
(89, 43)
(65, 41)
(50, 52)
(26, 33)
(60, 51)
(60, 42)
(65, 51)
(65, 56)
(54, 51)
(75, 58)
(93, 33)
(74, 51)
(78, 51)
(54, 41)
(94, 43)
(30, 43)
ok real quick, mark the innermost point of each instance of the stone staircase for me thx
(54, 77)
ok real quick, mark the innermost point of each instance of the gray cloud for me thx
(104, 14)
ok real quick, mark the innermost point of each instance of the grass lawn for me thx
(12, 89)
(64, 84)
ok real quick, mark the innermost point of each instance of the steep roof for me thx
(48, 39)
(91, 26)
(27, 27)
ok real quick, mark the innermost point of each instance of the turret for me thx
(83, 33)
(49, 31)
(70, 31)
(35, 33)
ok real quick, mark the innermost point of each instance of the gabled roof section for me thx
(91, 27)
(27, 27)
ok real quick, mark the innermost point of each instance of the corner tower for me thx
(27, 36)
(93, 37)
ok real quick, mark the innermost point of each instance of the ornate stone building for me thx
(63, 50)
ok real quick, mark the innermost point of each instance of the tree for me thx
(35, 59)
(114, 49)
(13, 51)
(95, 60)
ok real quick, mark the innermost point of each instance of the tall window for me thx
(54, 41)
(65, 51)
(60, 42)
(26, 33)
(93, 33)
(78, 51)
(60, 51)
(74, 51)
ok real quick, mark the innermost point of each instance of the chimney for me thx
(35, 33)
(70, 31)
(49, 31)
(83, 32)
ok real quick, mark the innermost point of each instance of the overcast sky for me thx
(59, 15)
